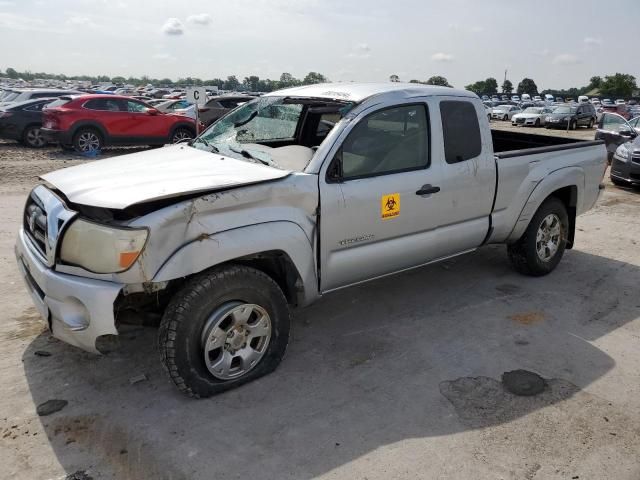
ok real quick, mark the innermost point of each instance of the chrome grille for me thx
(519, 120)
(45, 216)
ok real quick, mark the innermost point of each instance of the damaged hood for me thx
(155, 174)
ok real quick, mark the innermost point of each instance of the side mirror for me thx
(153, 111)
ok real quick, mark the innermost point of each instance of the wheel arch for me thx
(89, 124)
(279, 249)
(564, 184)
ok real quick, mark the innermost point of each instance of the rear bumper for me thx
(78, 310)
(56, 136)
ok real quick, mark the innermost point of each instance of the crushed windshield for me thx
(256, 129)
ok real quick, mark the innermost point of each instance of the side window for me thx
(461, 130)
(326, 124)
(388, 141)
(35, 108)
(612, 123)
(136, 107)
(103, 104)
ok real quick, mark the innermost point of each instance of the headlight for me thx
(102, 249)
(622, 153)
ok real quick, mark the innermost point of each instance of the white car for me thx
(532, 116)
(504, 112)
(515, 98)
(620, 102)
(537, 98)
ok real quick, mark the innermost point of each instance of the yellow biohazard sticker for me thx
(390, 206)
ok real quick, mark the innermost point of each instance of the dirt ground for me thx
(395, 379)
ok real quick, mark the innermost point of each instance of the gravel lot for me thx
(395, 379)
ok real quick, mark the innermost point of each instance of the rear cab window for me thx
(461, 130)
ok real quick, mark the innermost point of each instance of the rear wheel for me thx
(32, 137)
(540, 249)
(573, 125)
(505, 118)
(181, 135)
(87, 140)
(226, 327)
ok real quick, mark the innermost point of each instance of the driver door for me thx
(615, 131)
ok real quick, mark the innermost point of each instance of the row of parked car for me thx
(90, 121)
(565, 116)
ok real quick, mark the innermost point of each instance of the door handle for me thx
(427, 189)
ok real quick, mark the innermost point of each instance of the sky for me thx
(558, 43)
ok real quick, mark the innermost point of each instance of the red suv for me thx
(90, 122)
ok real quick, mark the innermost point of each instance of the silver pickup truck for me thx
(288, 197)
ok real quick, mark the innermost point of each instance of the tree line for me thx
(251, 83)
(617, 85)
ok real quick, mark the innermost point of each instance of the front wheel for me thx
(226, 327)
(573, 125)
(590, 124)
(181, 135)
(543, 243)
(537, 124)
(505, 118)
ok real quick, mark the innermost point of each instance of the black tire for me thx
(180, 134)
(573, 125)
(591, 122)
(505, 118)
(86, 140)
(537, 124)
(186, 317)
(523, 254)
(32, 137)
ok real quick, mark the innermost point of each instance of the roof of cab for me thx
(357, 92)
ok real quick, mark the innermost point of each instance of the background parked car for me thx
(505, 112)
(216, 107)
(615, 131)
(621, 109)
(22, 122)
(572, 116)
(91, 122)
(532, 116)
(169, 106)
(32, 93)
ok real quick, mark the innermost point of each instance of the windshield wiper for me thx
(206, 143)
(247, 154)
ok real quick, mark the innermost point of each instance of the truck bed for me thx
(508, 144)
(525, 160)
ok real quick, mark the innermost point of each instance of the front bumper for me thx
(626, 171)
(78, 310)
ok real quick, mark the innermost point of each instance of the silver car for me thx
(505, 112)
(532, 116)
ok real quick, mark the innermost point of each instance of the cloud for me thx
(163, 56)
(442, 57)
(542, 53)
(5, 4)
(593, 41)
(80, 21)
(200, 19)
(361, 50)
(173, 26)
(565, 59)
